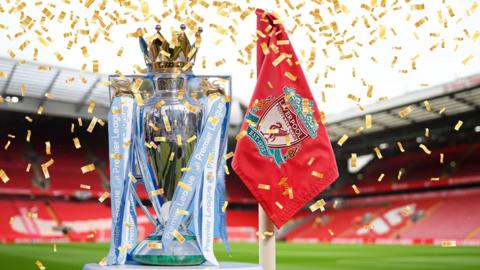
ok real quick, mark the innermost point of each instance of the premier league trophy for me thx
(168, 132)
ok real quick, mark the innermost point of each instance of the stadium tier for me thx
(414, 218)
(449, 166)
(424, 196)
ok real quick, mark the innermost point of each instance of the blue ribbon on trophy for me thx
(121, 121)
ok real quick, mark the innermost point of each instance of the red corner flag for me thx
(283, 153)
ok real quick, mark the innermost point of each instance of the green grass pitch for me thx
(289, 256)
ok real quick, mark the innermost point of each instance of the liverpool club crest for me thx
(279, 125)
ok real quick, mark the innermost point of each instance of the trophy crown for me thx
(175, 55)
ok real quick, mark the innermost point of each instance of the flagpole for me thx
(266, 243)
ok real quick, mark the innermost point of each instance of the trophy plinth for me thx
(184, 254)
(222, 266)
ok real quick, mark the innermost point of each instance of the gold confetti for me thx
(92, 124)
(182, 212)
(48, 148)
(353, 160)
(29, 134)
(103, 261)
(342, 140)
(95, 66)
(427, 132)
(421, 21)
(83, 186)
(400, 147)
(4, 176)
(40, 265)
(418, 7)
(116, 156)
(382, 31)
(76, 142)
(355, 189)
(104, 196)
(228, 156)
(220, 62)
(45, 166)
(183, 185)
(179, 139)
(84, 51)
(441, 158)
(185, 169)
(434, 178)
(279, 205)
(88, 3)
(449, 243)
(7, 145)
(88, 168)
(400, 173)
(59, 56)
(425, 149)
(353, 97)
(405, 112)
(213, 120)
(310, 161)
(467, 59)
(368, 121)
(264, 47)
(166, 123)
(378, 152)
(381, 177)
(224, 206)
(279, 59)
(91, 107)
(263, 186)
(317, 174)
(22, 89)
(290, 76)
(153, 245)
(178, 236)
(320, 204)
(428, 108)
(227, 171)
(458, 125)
(11, 53)
(191, 139)
(156, 192)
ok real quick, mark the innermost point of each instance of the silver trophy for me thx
(170, 118)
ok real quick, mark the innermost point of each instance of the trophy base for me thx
(151, 252)
(222, 266)
(169, 260)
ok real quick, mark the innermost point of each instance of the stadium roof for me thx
(70, 90)
(458, 97)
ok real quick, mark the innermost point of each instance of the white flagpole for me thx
(266, 244)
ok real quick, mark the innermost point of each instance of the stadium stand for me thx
(431, 201)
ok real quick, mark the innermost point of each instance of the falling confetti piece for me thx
(458, 125)
(320, 204)
(88, 168)
(342, 140)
